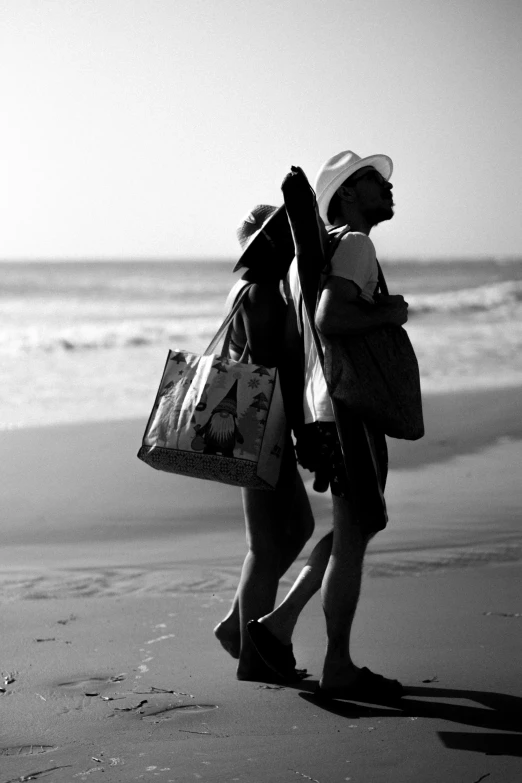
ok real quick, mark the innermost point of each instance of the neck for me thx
(356, 221)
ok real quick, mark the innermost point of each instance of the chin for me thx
(382, 214)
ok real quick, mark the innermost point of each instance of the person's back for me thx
(278, 523)
(260, 322)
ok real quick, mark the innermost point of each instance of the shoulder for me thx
(264, 294)
(356, 243)
(234, 293)
(263, 303)
(355, 249)
(354, 259)
(258, 294)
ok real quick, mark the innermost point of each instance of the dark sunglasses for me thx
(373, 174)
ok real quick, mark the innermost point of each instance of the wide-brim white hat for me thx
(336, 170)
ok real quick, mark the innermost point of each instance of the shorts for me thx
(331, 460)
(361, 478)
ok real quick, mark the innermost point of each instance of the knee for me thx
(265, 558)
(350, 541)
(264, 548)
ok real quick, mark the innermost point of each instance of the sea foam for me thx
(483, 298)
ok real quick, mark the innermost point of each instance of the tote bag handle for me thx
(227, 323)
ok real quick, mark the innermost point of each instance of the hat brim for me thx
(261, 246)
(382, 163)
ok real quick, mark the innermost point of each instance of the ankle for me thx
(338, 674)
(230, 622)
(338, 659)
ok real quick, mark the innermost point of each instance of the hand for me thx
(312, 453)
(322, 480)
(297, 191)
(395, 306)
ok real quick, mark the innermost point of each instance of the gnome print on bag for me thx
(220, 433)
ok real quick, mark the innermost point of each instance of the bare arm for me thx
(342, 312)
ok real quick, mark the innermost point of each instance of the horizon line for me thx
(232, 260)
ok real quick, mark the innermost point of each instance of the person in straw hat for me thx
(278, 523)
(354, 195)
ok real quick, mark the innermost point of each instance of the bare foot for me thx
(229, 636)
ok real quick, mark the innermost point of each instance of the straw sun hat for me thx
(265, 237)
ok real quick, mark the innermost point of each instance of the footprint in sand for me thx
(81, 691)
(158, 707)
(26, 750)
(87, 692)
(155, 713)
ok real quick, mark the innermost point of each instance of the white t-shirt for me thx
(355, 260)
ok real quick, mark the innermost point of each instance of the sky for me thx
(149, 128)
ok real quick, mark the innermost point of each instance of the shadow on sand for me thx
(497, 712)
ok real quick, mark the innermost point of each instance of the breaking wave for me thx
(180, 333)
(483, 298)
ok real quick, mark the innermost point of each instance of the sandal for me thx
(367, 686)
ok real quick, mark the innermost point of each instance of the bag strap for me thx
(382, 282)
(227, 323)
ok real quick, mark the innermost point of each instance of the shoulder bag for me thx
(376, 375)
(217, 419)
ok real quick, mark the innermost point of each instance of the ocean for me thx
(87, 341)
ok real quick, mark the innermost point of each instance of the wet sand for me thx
(112, 576)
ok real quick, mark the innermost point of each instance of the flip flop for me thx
(264, 674)
(278, 656)
(368, 686)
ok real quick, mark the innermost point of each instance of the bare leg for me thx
(260, 574)
(340, 594)
(295, 526)
(281, 622)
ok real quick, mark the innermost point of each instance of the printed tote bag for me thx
(217, 419)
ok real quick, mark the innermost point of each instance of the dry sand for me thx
(112, 577)
(132, 688)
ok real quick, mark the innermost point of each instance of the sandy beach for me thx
(112, 577)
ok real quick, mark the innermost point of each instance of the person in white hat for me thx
(278, 523)
(354, 195)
